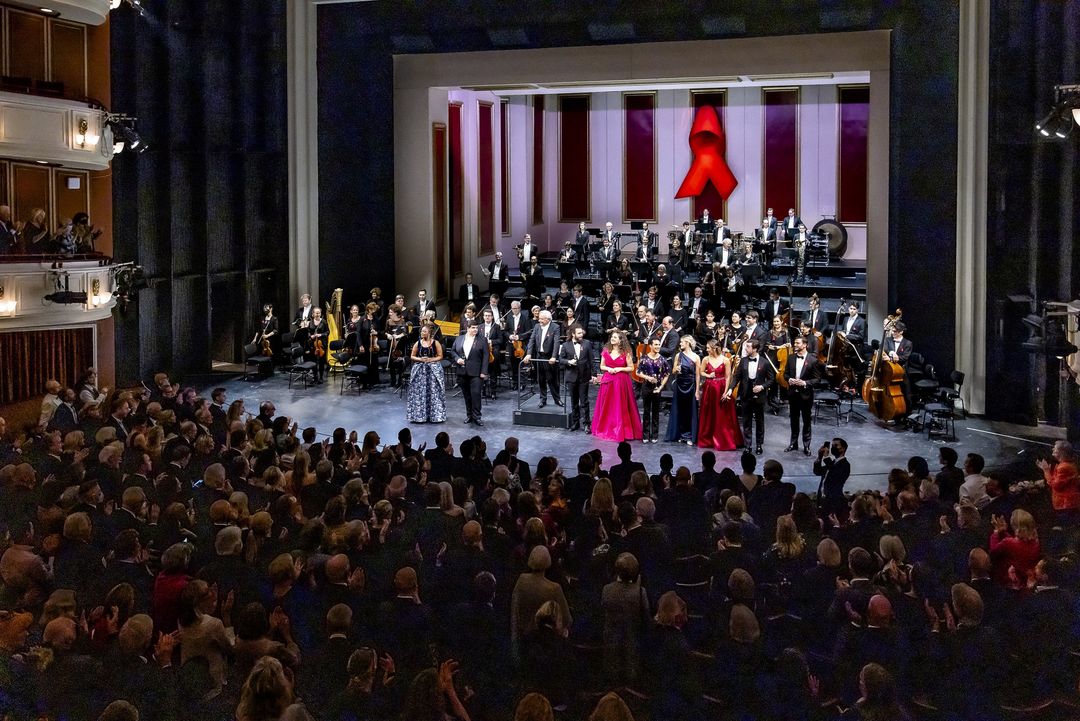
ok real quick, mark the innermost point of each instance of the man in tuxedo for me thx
(302, 319)
(66, 418)
(422, 305)
(792, 223)
(608, 251)
(722, 231)
(528, 250)
(497, 269)
(695, 308)
(853, 328)
(518, 327)
(470, 353)
(580, 305)
(469, 291)
(753, 378)
(724, 254)
(705, 219)
(835, 469)
(802, 369)
(754, 331)
(669, 339)
(776, 306)
(652, 302)
(543, 347)
(610, 235)
(119, 413)
(493, 334)
(815, 317)
(576, 358)
(770, 219)
(897, 348)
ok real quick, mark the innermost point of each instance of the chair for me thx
(253, 358)
(829, 400)
(299, 369)
(692, 569)
(939, 420)
(696, 595)
(353, 377)
(951, 395)
(926, 388)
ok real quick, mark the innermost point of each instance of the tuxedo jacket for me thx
(759, 333)
(669, 342)
(903, 348)
(811, 371)
(300, 314)
(476, 362)
(718, 256)
(857, 334)
(501, 275)
(772, 221)
(533, 250)
(817, 322)
(524, 326)
(770, 313)
(418, 310)
(766, 234)
(64, 419)
(581, 310)
(742, 380)
(496, 337)
(550, 346)
(582, 370)
(791, 231)
(609, 253)
(463, 292)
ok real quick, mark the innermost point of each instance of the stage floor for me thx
(874, 448)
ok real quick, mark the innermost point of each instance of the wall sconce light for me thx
(7, 307)
(80, 134)
(97, 298)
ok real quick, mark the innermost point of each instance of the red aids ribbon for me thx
(708, 143)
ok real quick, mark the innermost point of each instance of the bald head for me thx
(979, 563)
(879, 611)
(337, 568)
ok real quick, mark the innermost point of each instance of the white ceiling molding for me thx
(88, 12)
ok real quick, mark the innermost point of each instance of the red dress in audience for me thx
(1011, 552)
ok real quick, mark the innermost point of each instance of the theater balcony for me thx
(48, 291)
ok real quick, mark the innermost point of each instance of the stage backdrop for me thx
(621, 157)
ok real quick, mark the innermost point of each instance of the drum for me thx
(836, 234)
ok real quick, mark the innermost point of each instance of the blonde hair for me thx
(611, 708)
(670, 610)
(789, 542)
(1023, 525)
(534, 707)
(602, 499)
(266, 692)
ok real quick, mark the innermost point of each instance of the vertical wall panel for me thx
(67, 44)
(574, 188)
(70, 201)
(30, 190)
(439, 198)
(639, 153)
(504, 159)
(26, 45)
(485, 177)
(709, 197)
(457, 192)
(538, 159)
(780, 181)
(853, 172)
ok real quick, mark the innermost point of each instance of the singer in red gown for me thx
(718, 424)
(616, 417)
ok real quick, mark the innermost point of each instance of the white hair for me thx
(545, 314)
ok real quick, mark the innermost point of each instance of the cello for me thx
(837, 370)
(883, 389)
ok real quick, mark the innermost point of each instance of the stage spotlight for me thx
(68, 297)
(1043, 126)
(1059, 121)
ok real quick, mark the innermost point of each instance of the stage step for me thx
(550, 416)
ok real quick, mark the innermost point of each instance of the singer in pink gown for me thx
(718, 423)
(616, 417)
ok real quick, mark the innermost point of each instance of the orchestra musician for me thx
(268, 328)
(351, 339)
(518, 328)
(533, 278)
(678, 314)
(898, 349)
(801, 371)
(716, 280)
(815, 317)
(608, 251)
(652, 302)
(376, 298)
(569, 323)
(467, 316)
(490, 330)
(775, 306)
(422, 304)
(428, 319)
(526, 250)
(496, 269)
(724, 254)
(748, 258)
(706, 220)
(580, 305)
(792, 224)
(568, 254)
(735, 332)
(707, 329)
(770, 219)
(368, 340)
(496, 311)
(801, 242)
(582, 239)
(550, 306)
(648, 328)
(806, 332)
(853, 328)
(470, 353)
(303, 313)
(753, 377)
(722, 231)
(643, 253)
(604, 301)
(317, 343)
(778, 337)
(610, 236)
(687, 235)
(397, 341)
(754, 331)
(695, 311)
(617, 320)
(469, 291)
(562, 296)
(669, 338)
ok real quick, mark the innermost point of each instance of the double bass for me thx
(883, 389)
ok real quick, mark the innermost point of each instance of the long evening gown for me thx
(682, 421)
(426, 401)
(616, 416)
(718, 425)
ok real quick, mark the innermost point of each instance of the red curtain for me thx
(781, 182)
(538, 159)
(573, 158)
(29, 358)
(854, 160)
(439, 194)
(486, 178)
(457, 192)
(639, 168)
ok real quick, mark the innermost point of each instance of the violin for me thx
(320, 351)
